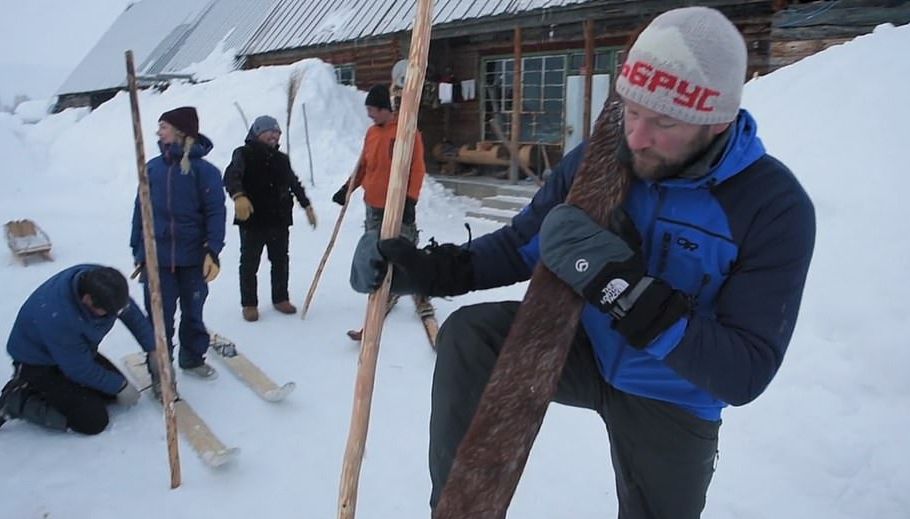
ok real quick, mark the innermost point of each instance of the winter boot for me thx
(10, 400)
(203, 371)
(37, 411)
(17, 401)
(250, 313)
(286, 307)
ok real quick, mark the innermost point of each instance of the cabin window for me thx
(344, 74)
(543, 97)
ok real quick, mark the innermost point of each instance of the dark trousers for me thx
(84, 408)
(663, 456)
(252, 241)
(187, 286)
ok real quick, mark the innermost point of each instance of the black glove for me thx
(341, 196)
(605, 267)
(435, 270)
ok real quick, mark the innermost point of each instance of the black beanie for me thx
(378, 96)
(107, 287)
(184, 119)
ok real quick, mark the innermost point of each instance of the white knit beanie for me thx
(688, 64)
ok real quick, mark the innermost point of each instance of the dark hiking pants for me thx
(663, 456)
(252, 241)
(84, 408)
(186, 286)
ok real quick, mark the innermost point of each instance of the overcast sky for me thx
(43, 40)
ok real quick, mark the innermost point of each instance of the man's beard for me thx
(659, 168)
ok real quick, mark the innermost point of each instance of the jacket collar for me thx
(731, 152)
(172, 153)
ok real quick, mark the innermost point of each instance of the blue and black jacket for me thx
(54, 328)
(737, 239)
(189, 210)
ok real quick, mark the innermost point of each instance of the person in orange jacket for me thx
(373, 175)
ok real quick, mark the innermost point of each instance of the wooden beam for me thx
(516, 105)
(589, 76)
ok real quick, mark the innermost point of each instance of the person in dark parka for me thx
(60, 380)
(189, 220)
(260, 181)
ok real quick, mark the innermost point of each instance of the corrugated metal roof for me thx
(305, 23)
(166, 36)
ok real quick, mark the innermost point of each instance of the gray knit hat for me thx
(262, 124)
(688, 64)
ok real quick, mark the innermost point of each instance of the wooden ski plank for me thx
(190, 425)
(427, 315)
(248, 372)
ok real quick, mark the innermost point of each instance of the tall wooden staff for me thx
(328, 249)
(151, 270)
(495, 449)
(391, 226)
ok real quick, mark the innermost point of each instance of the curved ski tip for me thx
(221, 457)
(279, 394)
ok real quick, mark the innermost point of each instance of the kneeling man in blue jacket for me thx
(60, 381)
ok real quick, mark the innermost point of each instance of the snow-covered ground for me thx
(828, 438)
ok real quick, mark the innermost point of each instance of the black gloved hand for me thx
(605, 267)
(435, 270)
(341, 196)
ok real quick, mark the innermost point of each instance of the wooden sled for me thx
(27, 240)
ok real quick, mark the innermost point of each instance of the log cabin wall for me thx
(372, 60)
(801, 29)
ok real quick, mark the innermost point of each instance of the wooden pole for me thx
(589, 76)
(516, 105)
(391, 226)
(495, 449)
(309, 154)
(328, 250)
(163, 358)
(497, 129)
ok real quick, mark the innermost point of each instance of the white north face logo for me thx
(612, 291)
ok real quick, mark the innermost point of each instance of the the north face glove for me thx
(243, 208)
(435, 270)
(341, 196)
(605, 267)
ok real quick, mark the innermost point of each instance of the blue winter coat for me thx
(188, 208)
(738, 240)
(54, 328)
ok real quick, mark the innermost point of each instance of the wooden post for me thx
(306, 134)
(328, 249)
(516, 105)
(162, 356)
(497, 130)
(589, 76)
(391, 226)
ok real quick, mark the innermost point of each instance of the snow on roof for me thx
(304, 23)
(166, 36)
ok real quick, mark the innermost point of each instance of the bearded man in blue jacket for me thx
(60, 381)
(692, 296)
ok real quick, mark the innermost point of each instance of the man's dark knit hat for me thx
(184, 119)
(378, 96)
(107, 288)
